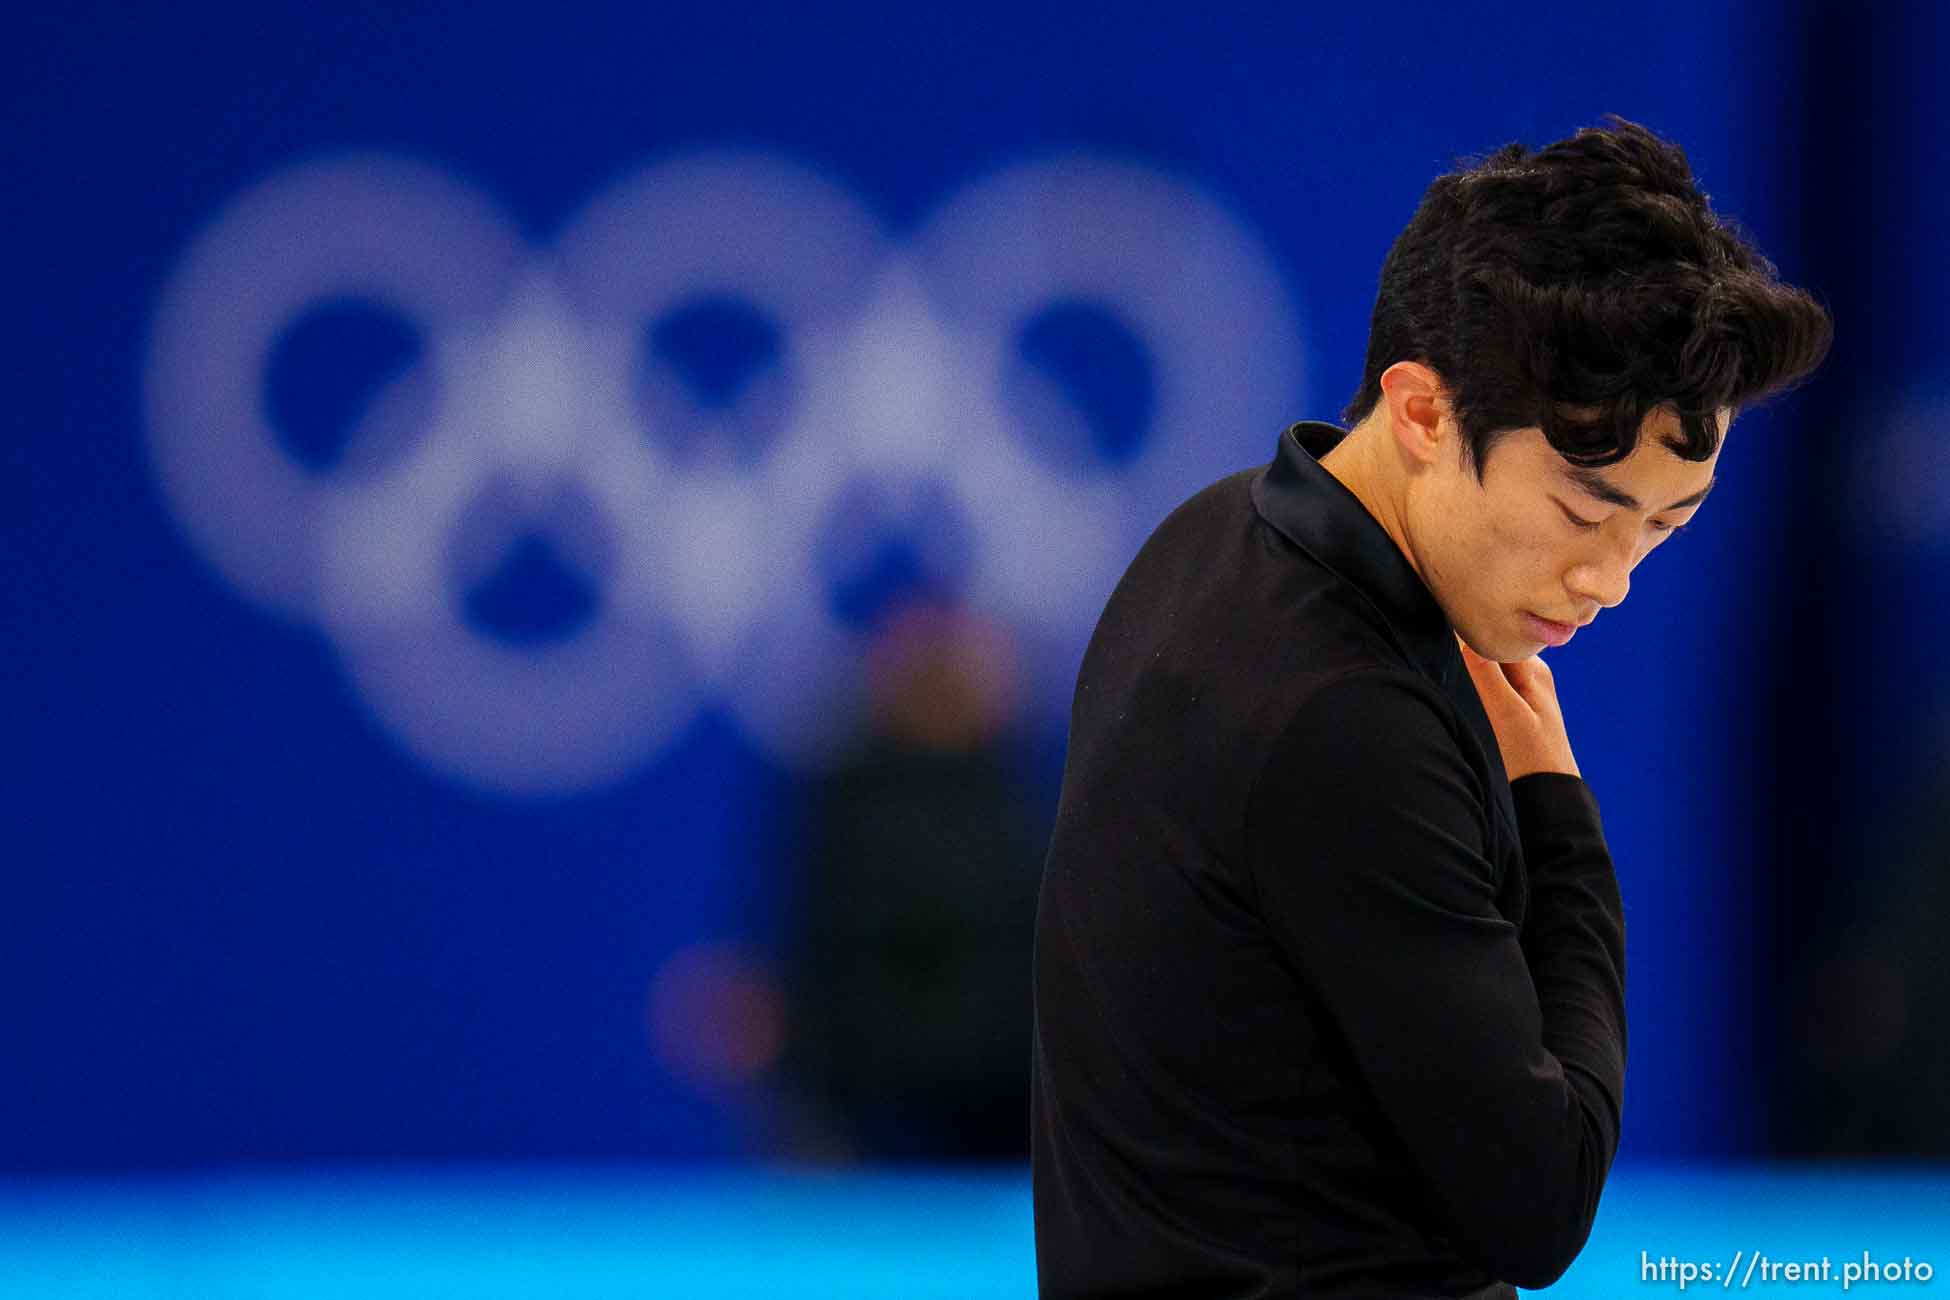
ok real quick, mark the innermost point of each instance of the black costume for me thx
(1326, 1005)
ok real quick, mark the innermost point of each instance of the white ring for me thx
(891, 377)
(368, 227)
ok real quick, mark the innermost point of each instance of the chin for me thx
(1504, 641)
(1510, 649)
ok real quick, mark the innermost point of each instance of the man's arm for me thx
(1572, 933)
(1498, 1057)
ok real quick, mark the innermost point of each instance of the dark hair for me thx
(1577, 289)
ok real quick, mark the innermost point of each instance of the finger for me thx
(1533, 669)
(1479, 667)
(1474, 661)
(1491, 683)
(1531, 679)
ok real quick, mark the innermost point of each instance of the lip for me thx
(1550, 633)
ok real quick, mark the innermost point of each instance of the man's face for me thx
(1532, 552)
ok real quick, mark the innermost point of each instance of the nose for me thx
(1604, 579)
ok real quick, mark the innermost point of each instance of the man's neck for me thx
(1365, 464)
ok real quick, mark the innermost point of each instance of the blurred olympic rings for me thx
(530, 402)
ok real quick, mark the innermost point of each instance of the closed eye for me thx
(1589, 524)
(1586, 524)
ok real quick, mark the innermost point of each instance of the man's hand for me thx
(1521, 700)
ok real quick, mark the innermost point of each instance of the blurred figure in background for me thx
(907, 958)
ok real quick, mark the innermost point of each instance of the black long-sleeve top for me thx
(1325, 1004)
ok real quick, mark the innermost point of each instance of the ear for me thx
(1417, 406)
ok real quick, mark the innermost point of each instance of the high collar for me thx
(1315, 511)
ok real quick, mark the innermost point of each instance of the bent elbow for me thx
(1539, 1262)
(1535, 1246)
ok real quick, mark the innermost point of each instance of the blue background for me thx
(243, 927)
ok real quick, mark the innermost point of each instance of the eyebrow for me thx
(1594, 484)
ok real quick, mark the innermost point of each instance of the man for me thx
(1329, 952)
